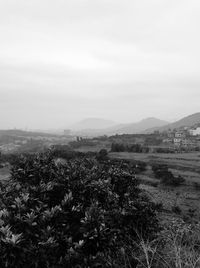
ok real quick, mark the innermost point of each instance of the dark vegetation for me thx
(140, 148)
(162, 173)
(127, 142)
(66, 208)
(137, 143)
(85, 212)
(135, 148)
(82, 142)
(8, 158)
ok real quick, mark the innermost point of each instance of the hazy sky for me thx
(65, 60)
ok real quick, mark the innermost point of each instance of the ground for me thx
(186, 196)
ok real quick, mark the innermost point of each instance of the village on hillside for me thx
(184, 137)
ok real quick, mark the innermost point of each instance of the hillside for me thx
(129, 128)
(23, 133)
(141, 126)
(188, 121)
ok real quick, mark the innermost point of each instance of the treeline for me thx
(67, 152)
(82, 142)
(136, 148)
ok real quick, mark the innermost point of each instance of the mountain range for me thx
(98, 126)
(188, 121)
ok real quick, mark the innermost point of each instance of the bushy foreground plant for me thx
(78, 214)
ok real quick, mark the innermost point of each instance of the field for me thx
(184, 163)
(186, 196)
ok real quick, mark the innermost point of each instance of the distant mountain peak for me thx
(151, 119)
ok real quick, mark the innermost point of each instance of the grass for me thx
(177, 246)
(186, 196)
(183, 161)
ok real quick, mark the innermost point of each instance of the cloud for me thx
(123, 60)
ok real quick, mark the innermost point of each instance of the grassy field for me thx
(187, 162)
(186, 196)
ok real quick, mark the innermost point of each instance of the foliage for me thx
(82, 142)
(164, 150)
(102, 155)
(176, 209)
(140, 166)
(196, 185)
(167, 178)
(78, 214)
(153, 140)
(134, 148)
(10, 158)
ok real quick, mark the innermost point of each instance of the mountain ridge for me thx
(187, 121)
(126, 128)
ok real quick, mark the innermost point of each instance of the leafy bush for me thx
(82, 142)
(176, 209)
(159, 170)
(123, 147)
(167, 178)
(140, 166)
(78, 214)
(102, 155)
(171, 180)
(196, 185)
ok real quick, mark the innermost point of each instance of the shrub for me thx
(102, 155)
(167, 178)
(196, 185)
(191, 212)
(140, 166)
(159, 170)
(77, 214)
(176, 209)
(171, 180)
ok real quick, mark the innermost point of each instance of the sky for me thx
(65, 60)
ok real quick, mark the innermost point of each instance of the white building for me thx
(194, 132)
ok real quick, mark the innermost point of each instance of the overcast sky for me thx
(65, 60)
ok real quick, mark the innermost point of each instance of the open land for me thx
(186, 196)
